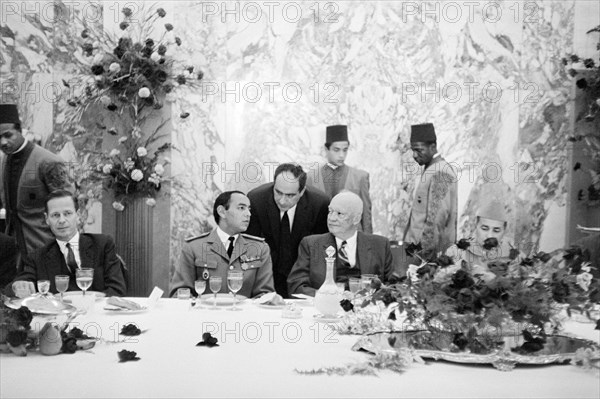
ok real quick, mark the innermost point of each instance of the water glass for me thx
(43, 287)
(355, 285)
(183, 293)
(200, 286)
(214, 283)
(235, 280)
(62, 284)
(341, 287)
(84, 278)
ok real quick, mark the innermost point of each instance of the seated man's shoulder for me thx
(252, 238)
(261, 190)
(194, 238)
(376, 238)
(97, 237)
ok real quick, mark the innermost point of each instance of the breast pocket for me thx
(31, 196)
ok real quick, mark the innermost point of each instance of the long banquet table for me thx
(257, 357)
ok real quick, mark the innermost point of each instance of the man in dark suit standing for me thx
(28, 173)
(335, 175)
(356, 252)
(284, 212)
(70, 251)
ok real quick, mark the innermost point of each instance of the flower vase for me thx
(328, 297)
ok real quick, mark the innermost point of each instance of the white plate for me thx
(99, 295)
(222, 299)
(322, 319)
(117, 309)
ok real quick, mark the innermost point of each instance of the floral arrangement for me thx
(450, 294)
(129, 76)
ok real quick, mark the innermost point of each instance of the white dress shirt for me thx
(224, 237)
(74, 241)
(350, 248)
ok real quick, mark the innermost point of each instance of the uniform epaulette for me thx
(253, 237)
(196, 237)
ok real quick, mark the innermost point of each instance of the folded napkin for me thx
(271, 298)
(123, 303)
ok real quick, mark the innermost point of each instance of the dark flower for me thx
(16, 337)
(597, 325)
(168, 27)
(161, 12)
(462, 279)
(23, 316)
(513, 253)
(526, 262)
(178, 40)
(111, 107)
(444, 261)
(346, 305)
(375, 283)
(412, 249)
(543, 256)
(577, 166)
(85, 34)
(190, 69)
(184, 115)
(589, 63)
(161, 76)
(130, 330)
(582, 83)
(146, 52)
(388, 297)
(112, 131)
(392, 316)
(161, 61)
(200, 75)
(395, 278)
(571, 253)
(77, 333)
(560, 291)
(572, 72)
(88, 48)
(69, 344)
(564, 61)
(490, 243)
(463, 243)
(180, 79)
(125, 356)
(126, 11)
(138, 47)
(123, 25)
(72, 102)
(208, 340)
(460, 341)
(426, 269)
(97, 69)
(574, 58)
(157, 105)
(162, 49)
(149, 43)
(168, 88)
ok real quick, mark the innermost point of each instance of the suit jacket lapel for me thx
(216, 245)
(55, 263)
(239, 249)
(363, 252)
(301, 217)
(86, 251)
(274, 218)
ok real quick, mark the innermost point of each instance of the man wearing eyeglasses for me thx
(357, 253)
(283, 213)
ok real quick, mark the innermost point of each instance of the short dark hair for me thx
(61, 193)
(223, 199)
(294, 169)
(327, 145)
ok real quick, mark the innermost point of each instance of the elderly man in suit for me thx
(28, 173)
(356, 252)
(335, 175)
(225, 249)
(69, 251)
(432, 220)
(284, 212)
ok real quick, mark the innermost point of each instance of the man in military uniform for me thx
(225, 249)
(432, 220)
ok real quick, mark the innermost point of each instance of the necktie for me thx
(71, 263)
(230, 248)
(343, 253)
(285, 261)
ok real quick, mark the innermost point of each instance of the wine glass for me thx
(84, 278)
(215, 286)
(235, 280)
(200, 286)
(62, 284)
(43, 287)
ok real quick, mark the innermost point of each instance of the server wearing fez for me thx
(432, 220)
(335, 175)
(28, 173)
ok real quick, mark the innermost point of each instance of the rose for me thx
(168, 27)
(97, 69)
(161, 75)
(126, 356)
(114, 67)
(411, 249)
(137, 175)
(85, 34)
(126, 11)
(463, 244)
(346, 305)
(178, 41)
(159, 169)
(155, 56)
(161, 12)
(129, 164)
(111, 107)
(123, 25)
(114, 152)
(162, 49)
(106, 169)
(444, 261)
(118, 206)
(130, 330)
(87, 48)
(16, 337)
(141, 152)
(23, 316)
(151, 202)
(462, 279)
(144, 92)
(584, 280)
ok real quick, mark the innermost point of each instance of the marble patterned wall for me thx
(487, 74)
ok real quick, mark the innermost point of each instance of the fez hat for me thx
(336, 133)
(422, 133)
(9, 113)
(492, 210)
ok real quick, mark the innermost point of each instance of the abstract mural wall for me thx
(487, 74)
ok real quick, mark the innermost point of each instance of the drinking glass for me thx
(43, 287)
(354, 283)
(200, 286)
(235, 280)
(62, 284)
(84, 278)
(214, 284)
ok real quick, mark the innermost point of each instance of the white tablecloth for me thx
(258, 353)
